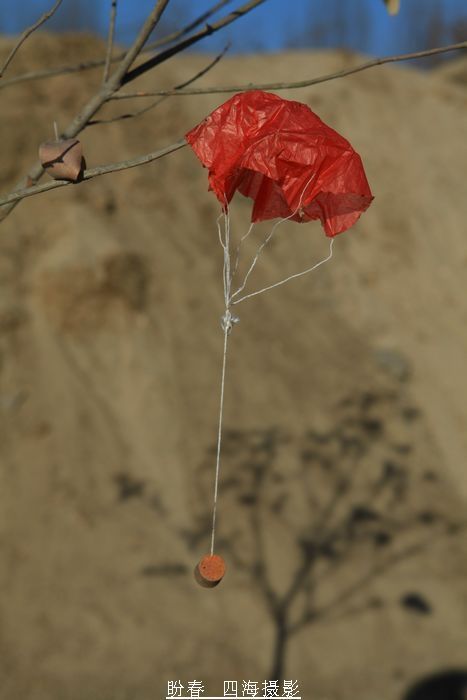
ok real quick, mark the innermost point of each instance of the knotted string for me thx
(228, 319)
(226, 323)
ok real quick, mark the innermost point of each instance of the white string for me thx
(237, 255)
(228, 319)
(291, 277)
(258, 253)
(268, 238)
(219, 437)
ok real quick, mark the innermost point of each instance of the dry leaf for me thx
(62, 160)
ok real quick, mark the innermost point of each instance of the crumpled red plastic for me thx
(283, 156)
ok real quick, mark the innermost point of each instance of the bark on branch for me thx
(124, 74)
(299, 83)
(91, 173)
(97, 63)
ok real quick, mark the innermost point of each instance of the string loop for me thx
(228, 319)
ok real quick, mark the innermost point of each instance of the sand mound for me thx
(348, 386)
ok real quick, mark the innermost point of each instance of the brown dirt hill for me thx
(109, 368)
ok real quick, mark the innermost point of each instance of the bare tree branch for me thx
(114, 167)
(60, 70)
(110, 39)
(208, 30)
(89, 65)
(96, 102)
(192, 25)
(298, 84)
(27, 32)
(137, 46)
(120, 76)
(91, 173)
(137, 113)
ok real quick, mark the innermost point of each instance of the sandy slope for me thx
(109, 368)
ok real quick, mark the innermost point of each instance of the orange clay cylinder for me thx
(210, 570)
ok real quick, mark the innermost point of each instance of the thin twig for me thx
(204, 17)
(139, 112)
(148, 27)
(96, 102)
(298, 84)
(89, 65)
(59, 70)
(91, 173)
(208, 30)
(123, 74)
(110, 39)
(27, 32)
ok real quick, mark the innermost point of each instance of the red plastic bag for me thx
(279, 153)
